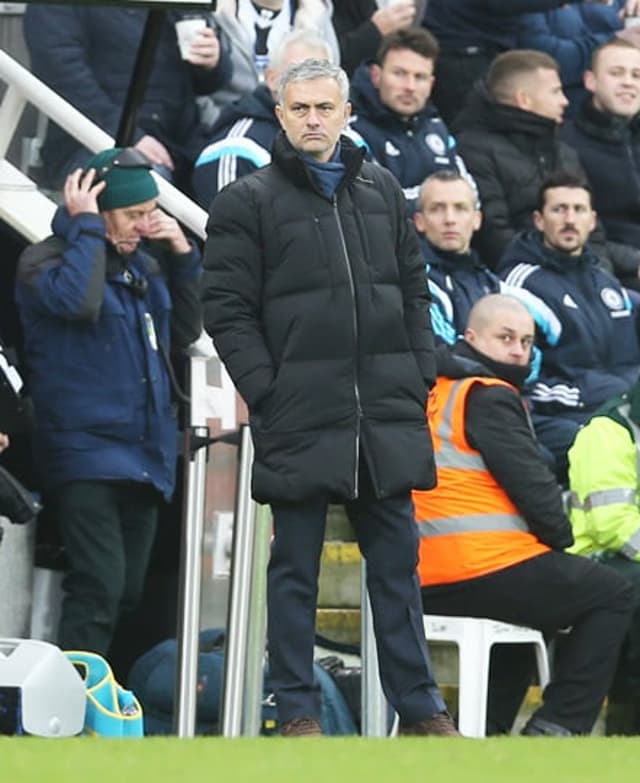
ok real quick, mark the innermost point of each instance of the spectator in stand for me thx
(87, 55)
(361, 24)
(446, 218)
(393, 116)
(493, 529)
(571, 33)
(241, 139)
(606, 135)
(251, 29)
(508, 137)
(596, 354)
(471, 34)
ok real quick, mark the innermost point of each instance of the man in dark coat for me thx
(315, 296)
(507, 135)
(606, 134)
(594, 354)
(86, 53)
(393, 116)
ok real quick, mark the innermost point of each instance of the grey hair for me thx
(449, 175)
(306, 38)
(313, 69)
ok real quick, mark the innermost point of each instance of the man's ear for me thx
(375, 72)
(347, 113)
(279, 114)
(469, 335)
(522, 99)
(589, 79)
(538, 220)
(418, 221)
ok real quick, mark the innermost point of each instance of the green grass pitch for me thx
(322, 760)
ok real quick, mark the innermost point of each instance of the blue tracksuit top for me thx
(597, 353)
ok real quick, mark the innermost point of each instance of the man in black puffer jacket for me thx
(315, 296)
(507, 136)
(606, 134)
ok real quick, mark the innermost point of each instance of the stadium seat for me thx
(475, 638)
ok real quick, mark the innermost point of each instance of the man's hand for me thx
(205, 49)
(630, 34)
(4, 441)
(157, 153)
(80, 194)
(397, 16)
(631, 8)
(163, 227)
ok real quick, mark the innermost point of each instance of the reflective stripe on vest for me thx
(610, 497)
(603, 497)
(468, 525)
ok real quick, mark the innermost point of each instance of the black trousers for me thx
(550, 592)
(107, 530)
(387, 536)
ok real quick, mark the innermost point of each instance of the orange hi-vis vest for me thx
(468, 525)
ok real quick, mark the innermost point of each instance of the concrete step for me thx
(338, 526)
(339, 583)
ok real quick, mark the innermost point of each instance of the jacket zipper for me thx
(356, 388)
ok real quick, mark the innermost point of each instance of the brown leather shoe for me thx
(438, 725)
(301, 727)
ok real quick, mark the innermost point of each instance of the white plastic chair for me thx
(475, 638)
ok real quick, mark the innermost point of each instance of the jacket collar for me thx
(289, 161)
(603, 124)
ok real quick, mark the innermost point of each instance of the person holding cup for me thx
(87, 54)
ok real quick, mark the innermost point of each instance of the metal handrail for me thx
(25, 87)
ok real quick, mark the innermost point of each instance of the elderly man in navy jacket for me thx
(98, 300)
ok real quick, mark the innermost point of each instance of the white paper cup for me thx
(187, 30)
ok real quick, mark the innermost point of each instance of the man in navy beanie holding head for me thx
(102, 301)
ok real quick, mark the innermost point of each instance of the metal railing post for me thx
(373, 701)
(239, 593)
(257, 632)
(190, 578)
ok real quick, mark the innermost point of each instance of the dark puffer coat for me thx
(509, 152)
(318, 308)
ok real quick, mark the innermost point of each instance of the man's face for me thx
(507, 337)
(448, 216)
(615, 82)
(126, 226)
(566, 220)
(313, 115)
(542, 94)
(404, 81)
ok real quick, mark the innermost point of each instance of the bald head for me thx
(501, 328)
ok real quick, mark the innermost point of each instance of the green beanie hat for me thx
(128, 179)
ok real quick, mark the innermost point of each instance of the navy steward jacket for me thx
(595, 354)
